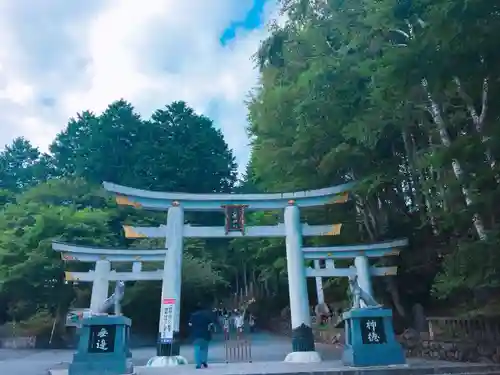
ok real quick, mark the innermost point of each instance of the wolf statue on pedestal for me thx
(114, 300)
(359, 295)
(369, 333)
(103, 333)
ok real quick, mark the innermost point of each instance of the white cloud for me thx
(17, 92)
(59, 57)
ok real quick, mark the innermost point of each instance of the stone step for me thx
(325, 368)
(152, 371)
(429, 368)
(280, 368)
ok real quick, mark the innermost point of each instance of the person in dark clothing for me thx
(200, 323)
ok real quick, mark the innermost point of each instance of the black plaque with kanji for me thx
(235, 218)
(102, 339)
(372, 331)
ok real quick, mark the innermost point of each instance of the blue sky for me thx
(252, 20)
(60, 57)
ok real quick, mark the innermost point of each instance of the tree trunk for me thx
(445, 137)
(457, 169)
(245, 279)
(253, 290)
(237, 282)
(415, 191)
(436, 177)
(420, 185)
(478, 119)
(392, 288)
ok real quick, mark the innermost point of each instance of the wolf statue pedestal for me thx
(103, 347)
(369, 339)
(369, 334)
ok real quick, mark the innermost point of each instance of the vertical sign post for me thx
(167, 317)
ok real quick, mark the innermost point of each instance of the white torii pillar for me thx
(329, 263)
(100, 286)
(362, 265)
(302, 335)
(168, 347)
(319, 284)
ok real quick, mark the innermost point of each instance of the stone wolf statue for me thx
(358, 295)
(114, 300)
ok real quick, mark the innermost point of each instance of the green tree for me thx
(73, 211)
(176, 150)
(31, 273)
(99, 147)
(23, 166)
(392, 95)
(6, 196)
(203, 161)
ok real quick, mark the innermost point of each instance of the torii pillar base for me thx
(176, 360)
(167, 353)
(303, 346)
(303, 357)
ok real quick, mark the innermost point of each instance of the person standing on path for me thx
(239, 322)
(226, 326)
(251, 322)
(200, 323)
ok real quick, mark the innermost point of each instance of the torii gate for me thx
(234, 206)
(103, 274)
(360, 254)
(103, 257)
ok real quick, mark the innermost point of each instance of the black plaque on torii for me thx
(235, 218)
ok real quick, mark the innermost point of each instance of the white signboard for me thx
(167, 320)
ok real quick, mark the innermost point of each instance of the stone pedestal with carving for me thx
(103, 347)
(370, 339)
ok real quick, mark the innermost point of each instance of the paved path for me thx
(265, 348)
(31, 362)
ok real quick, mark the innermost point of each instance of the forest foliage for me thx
(58, 196)
(397, 95)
